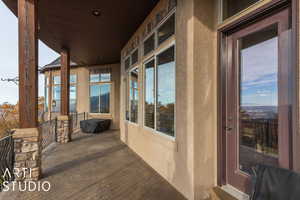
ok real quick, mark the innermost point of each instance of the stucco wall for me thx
(188, 162)
(83, 92)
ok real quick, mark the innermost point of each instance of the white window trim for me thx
(110, 94)
(134, 65)
(70, 84)
(161, 23)
(76, 86)
(154, 57)
(128, 95)
(100, 83)
(154, 33)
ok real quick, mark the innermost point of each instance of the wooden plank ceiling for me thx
(91, 39)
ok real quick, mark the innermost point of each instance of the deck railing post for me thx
(27, 139)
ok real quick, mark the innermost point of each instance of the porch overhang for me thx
(91, 39)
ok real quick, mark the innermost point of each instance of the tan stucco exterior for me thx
(188, 161)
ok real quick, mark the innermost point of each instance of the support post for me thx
(64, 120)
(27, 139)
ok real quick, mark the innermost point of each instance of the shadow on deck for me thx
(97, 167)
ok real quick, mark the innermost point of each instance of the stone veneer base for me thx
(27, 147)
(64, 129)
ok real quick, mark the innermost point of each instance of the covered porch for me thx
(97, 167)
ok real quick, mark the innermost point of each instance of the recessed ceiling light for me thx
(96, 13)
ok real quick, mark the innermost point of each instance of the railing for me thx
(260, 134)
(76, 118)
(6, 160)
(49, 130)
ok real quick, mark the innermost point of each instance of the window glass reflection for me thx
(134, 95)
(149, 44)
(165, 92)
(56, 99)
(56, 80)
(232, 7)
(149, 94)
(73, 98)
(104, 98)
(73, 78)
(166, 30)
(100, 98)
(259, 99)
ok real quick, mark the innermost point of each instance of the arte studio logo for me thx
(25, 185)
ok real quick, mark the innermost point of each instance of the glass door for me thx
(258, 104)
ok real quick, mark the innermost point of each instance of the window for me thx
(166, 30)
(56, 80)
(100, 89)
(133, 95)
(149, 86)
(56, 95)
(149, 44)
(135, 57)
(232, 7)
(73, 93)
(103, 76)
(165, 101)
(159, 93)
(127, 63)
(46, 103)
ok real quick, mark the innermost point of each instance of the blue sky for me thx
(9, 55)
(259, 74)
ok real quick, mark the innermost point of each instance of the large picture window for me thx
(165, 92)
(159, 90)
(100, 90)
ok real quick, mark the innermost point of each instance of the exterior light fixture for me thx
(96, 13)
(53, 103)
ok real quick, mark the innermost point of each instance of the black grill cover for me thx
(95, 125)
(272, 183)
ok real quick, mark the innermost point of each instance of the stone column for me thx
(64, 129)
(27, 139)
(27, 145)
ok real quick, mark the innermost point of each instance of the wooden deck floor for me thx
(97, 167)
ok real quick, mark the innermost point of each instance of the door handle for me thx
(228, 128)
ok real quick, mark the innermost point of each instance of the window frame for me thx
(154, 57)
(46, 94)
(163, 22)
(127, 95)
(76, 86)
(110, 94)
(70, 84)
(128, 57)
(52, 93)
(131, 55)
(154, 34)
(253, 9)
